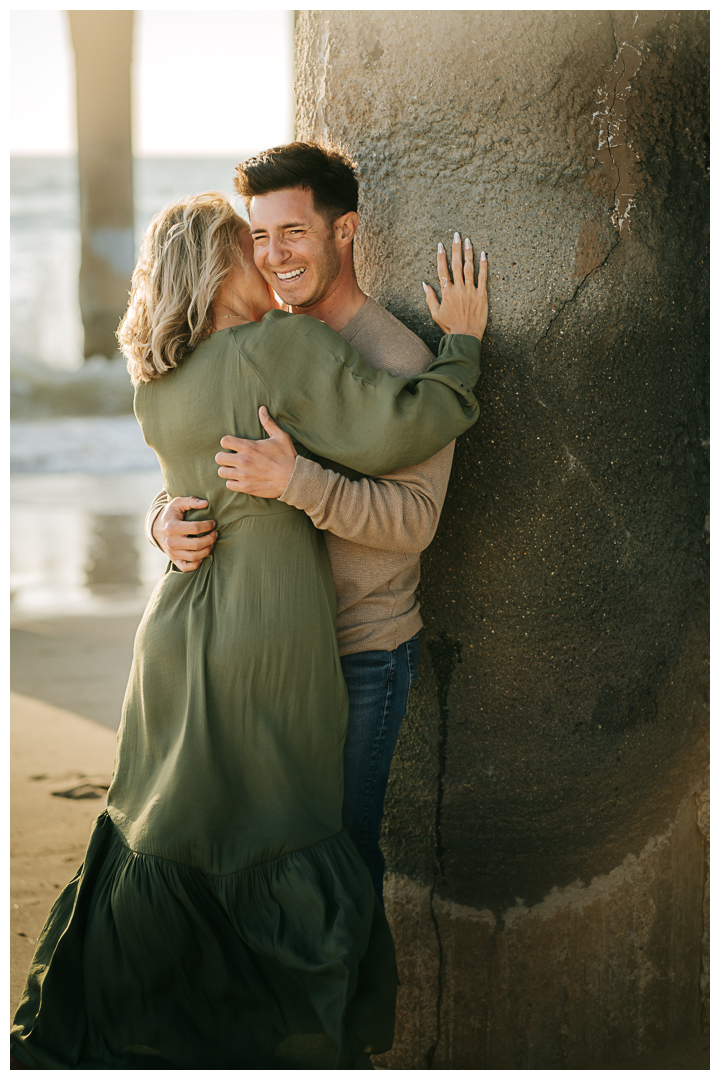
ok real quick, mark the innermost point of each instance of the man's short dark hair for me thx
(319, 167)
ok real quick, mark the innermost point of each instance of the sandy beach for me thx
(68, 679)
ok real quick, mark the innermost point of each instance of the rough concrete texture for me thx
(560, 718)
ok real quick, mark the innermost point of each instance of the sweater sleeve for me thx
(326, 397)
(398, 512)
(159, 503)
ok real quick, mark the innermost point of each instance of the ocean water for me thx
(82, 476)
(101, 445)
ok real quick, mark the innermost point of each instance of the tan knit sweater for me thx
(374, 529)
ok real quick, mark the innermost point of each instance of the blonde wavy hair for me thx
(189, 249)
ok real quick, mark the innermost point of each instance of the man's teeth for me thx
(292, 274)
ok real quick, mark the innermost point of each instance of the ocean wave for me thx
(89, 444)
(99, 388)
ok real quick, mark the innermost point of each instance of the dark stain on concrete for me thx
(445, 654)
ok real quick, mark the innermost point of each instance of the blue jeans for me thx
(378, 685)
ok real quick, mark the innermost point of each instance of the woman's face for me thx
(247, 283)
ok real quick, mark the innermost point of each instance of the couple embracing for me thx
(228, 913)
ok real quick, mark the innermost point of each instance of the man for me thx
(302, 200)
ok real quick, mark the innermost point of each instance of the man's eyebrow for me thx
(285, 225)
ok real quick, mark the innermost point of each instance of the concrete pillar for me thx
(102, 41)
(546, 822)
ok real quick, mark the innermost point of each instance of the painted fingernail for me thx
(440, 247)
(467, 243)
(456, 238)
(424, 286)
(483, 256)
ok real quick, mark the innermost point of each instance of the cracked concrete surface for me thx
(570, 568)
(578, 287)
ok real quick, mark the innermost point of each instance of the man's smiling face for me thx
(295, 248)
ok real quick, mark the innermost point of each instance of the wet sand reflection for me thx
(78, 543)
(113, 561)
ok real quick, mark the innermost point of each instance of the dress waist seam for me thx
(211, 873)
(243, 517)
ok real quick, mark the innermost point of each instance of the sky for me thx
(237, 96)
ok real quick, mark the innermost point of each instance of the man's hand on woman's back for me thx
(261, 467)
(183, 541)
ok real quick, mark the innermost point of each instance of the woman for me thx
(222, 918)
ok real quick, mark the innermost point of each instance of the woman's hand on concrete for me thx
(463, 308)
(183, 541)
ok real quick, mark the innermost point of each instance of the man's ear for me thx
(345, 228)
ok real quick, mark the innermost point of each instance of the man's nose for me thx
(278, 251)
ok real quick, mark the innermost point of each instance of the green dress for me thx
(222, 918)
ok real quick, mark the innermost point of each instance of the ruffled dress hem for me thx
(148, 963)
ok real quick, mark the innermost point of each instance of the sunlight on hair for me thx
(189, 249)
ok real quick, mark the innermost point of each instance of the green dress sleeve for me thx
(326, 397)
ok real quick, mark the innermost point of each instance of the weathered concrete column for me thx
(102, 41)
(546, 823)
